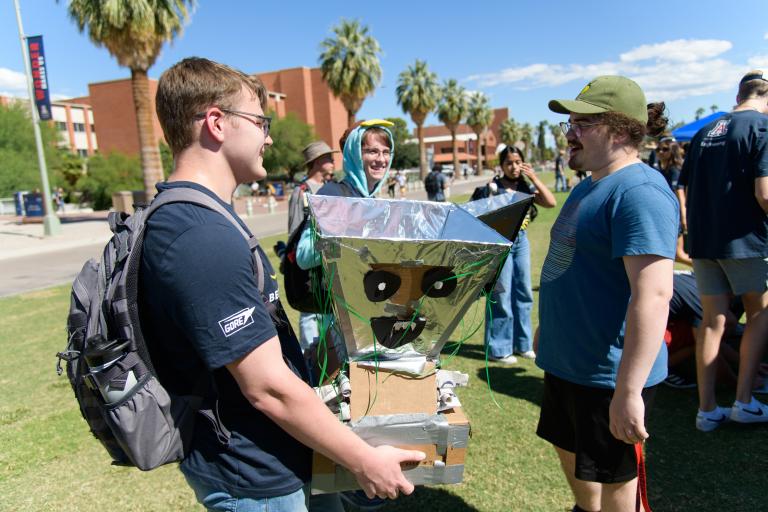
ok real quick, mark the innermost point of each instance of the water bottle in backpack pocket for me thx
(111, 370)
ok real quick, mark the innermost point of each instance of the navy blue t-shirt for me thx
(725, 157)
(201, 310)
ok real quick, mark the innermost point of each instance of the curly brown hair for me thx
(621, 124)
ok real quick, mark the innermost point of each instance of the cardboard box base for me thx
(446, 453)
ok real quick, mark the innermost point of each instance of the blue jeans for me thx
(299, 501)
(560, 180)
(219, 499)
(308, 330)
(508, 325)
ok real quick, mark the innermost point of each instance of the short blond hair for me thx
(192, 85)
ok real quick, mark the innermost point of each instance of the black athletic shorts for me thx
(575, 418)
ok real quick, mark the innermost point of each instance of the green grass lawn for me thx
(49, 461)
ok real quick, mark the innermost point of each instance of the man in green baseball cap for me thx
(604, 296)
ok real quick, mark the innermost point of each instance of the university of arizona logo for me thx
(236, 322)
(720, 129)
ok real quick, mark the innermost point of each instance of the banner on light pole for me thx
(39, 77)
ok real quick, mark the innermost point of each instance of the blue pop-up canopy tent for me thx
(686, 132)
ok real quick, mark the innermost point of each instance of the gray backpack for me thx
(139, 422)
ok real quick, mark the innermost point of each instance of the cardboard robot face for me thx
(402, 272)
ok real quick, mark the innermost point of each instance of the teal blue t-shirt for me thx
(584, 287)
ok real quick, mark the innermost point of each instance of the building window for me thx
(93, 128)
(61, 126)
(82, 153)
(78, 127)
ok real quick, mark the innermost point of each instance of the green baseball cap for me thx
(606, 94)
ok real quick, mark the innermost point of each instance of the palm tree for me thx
(350, 66)
(417, 93)
(714, 108)
(134, 31)
(557, 133)
(451, 110)
(699, 112)
(509, 131)
(479, 116)
(526, 136)
(541, 144)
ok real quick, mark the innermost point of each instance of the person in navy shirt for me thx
(604, 295)
(206, 320)
(726, 178)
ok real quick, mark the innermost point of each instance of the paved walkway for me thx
(32, 261)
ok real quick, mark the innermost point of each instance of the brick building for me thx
(438, 138)
(74, 123)
(301, 91)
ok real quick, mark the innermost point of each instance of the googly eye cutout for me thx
(379, 285)
(438, 282)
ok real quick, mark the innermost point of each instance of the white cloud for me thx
(765, 36)
(667, 71)
(679, 50)
(13, 82)
(759, 62)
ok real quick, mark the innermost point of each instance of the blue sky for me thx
(522, 54)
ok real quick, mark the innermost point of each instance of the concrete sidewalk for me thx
(18, 240)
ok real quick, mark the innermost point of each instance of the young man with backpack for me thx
(205, 318)
(434, 184)
(318, 159)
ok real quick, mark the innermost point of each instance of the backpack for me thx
(431, 183)
(137, 420)
(305, 290)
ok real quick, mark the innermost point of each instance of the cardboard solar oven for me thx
(401, 275)
(505, 212)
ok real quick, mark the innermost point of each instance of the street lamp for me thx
(51, 223)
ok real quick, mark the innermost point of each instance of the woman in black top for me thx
(670, 164)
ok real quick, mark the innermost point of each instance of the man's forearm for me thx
(643, 336)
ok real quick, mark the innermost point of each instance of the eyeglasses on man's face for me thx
(264, 121)
(375, 153)
(576, 127)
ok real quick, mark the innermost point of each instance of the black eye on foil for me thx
(438, 282)
(379, 285)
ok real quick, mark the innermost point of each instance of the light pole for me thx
(51, 223)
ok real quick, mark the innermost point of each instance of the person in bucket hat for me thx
(604, 296)
(318, 159)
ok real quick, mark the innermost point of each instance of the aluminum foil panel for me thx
(402, 272)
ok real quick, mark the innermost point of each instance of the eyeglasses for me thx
(576, 127)
(264, 121)
(375, 153)
(663, 150)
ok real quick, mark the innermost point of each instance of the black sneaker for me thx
(678, 381)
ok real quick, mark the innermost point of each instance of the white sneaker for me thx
(753, 412)
(710, 420)
(510, 359)
(528, 354)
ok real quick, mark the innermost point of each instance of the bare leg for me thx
(680, 255)
(619, 497)
(752, 343)
(708, 346)
(587, 494)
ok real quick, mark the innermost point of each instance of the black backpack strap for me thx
(191, 195)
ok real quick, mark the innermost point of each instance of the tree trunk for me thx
(455, 149)
(151, 165)
(350, 118)
(423, 171)
(479, 153)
